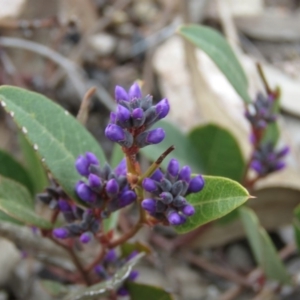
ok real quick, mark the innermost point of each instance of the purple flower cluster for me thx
(168, 191)
(81, 223)
(267, 159)
(261, 112)
(103, 188)
(135, 114)
(110, 264)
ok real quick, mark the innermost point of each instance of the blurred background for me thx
(61, 48)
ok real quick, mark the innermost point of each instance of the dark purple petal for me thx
(283, 152)
(95, 181)
(92, 158)
(85, 193)
(280, 165)
(115, 133)
(196, 184)
(137, 113)
(123, 114)
(149, 185)
(149, 205)
(127, 198)
(60, 233)
(257, 166)
(121, 169)
(112, 186)
(162, 108)
(188, 210)
(135, 91)
(64, 206)
(157, 175)
(82, 165)
(133, 275)
(185, 174)
(121, 94)
(113, 117)
(111, 256)
(174, 218)
(86, 237)
(122, 291)
(173, 167)
(155, 136)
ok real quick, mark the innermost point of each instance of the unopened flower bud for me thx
(188, 210)
(196, 184)
(60, 233)
(121, 94)
(149, 205)
(185, 173)
(135, 91)
(86, 237)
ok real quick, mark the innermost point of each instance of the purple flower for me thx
(112, 186)
(149, 185)
(196, 184)
(117, 134)
(173, 167)
(151, 137)
(60, 233)
(121, 94)
(162, 108)
(85, 193)
(135, 91)
(86, 237)
(149, 205)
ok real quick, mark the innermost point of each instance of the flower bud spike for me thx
(135, 91)
(121, 94)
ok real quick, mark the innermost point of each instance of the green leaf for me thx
(117, 156)
(56, 135)
(54, 288)
(219, 151)
(10, 168)
(263, 249)
(34, 166)
(296, 225)
(100, 289)
(219, 197)
(218, 49)
(16, 202)
(140, 291)
(184, 151)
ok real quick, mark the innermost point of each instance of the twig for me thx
(75, 73)
(222, 272)
(83, 113)
(257, 273)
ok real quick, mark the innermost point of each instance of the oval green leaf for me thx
(33, 165)
(16, 202)
(262, 246)
(100, 289)
(140, 291)
(219, 151)
(219, 50)
(219, 197)
(10, 168)
(56, 135)
(184, 151)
